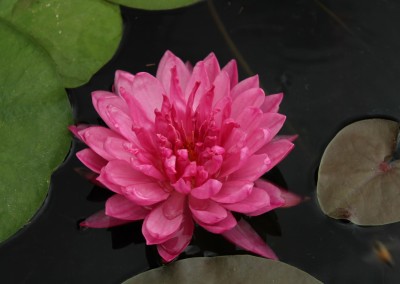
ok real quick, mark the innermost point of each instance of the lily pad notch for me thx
(359, 174)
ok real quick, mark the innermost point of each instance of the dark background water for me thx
(337, 62)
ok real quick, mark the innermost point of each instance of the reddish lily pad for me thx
(359, 174)
(225, 269)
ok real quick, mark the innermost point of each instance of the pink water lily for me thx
(187, 146)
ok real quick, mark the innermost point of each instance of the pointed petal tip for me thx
(75, 129)
(123, 74)
(244, 236)
(281, 94)
(100, 220)
(169, 54)
(166, 256)
(292, 138)
(211, 55)
(83, 224)
(292, 199)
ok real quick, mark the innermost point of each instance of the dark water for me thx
(336, 61)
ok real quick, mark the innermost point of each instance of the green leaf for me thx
(225, 269)
(80, 36)
(34, 116)
(359, 176)
(155, 4)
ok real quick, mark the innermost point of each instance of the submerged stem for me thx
(232, 46)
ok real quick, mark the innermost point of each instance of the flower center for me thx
(190, 147)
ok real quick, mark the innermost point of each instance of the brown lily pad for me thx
(359, 174)
(225, 269)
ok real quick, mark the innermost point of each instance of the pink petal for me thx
(176, 245)
(120, 207)
(233, 191)
(257, 139)
(248, 83)
(145, 194)
(207, 189)
(176, 94)
(182, 186)
(207, 211)
(121, 173)
(148, 143)
(291, 138)
(204, 108)
(102, 99)
(212, 66)
(273, 121)
(118, 120)
(123, 79)
(91, 160)
(221, 87)
(174, 205)
(254, 167)
(148, 92)
(123, 83)
(76, 128)
(291, 199)
(120, 149)
(226, 224)
(88, 175)
(165, 255)
(250, 118)
(95, 137)
(170, 167)
(147, 169)
(231, 70)
(245, 237)
(272, 102)
(276, 199)
(99, 95)
(279, 195)
(222, 108)
(133, 96)
(213, 165)
(234, 141)
(158, 228)
(258, 199)
(234, 162)
(103, 179)
(251, 97)
(199, 83)
(101, 220)
(276, 150)
(167, 63)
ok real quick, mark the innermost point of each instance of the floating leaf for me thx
(155, 4)
(359, 175)
(225, 269)
(80, 36)
(34, 116)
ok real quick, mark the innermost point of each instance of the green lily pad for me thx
(225, 269)
(80, 36)
(155, 4)
(359, 174)
(34, 116)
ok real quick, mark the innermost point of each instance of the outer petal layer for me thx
(118, 206)
(101, 220)
(245, 237)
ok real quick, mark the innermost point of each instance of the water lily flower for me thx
(187, 146)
